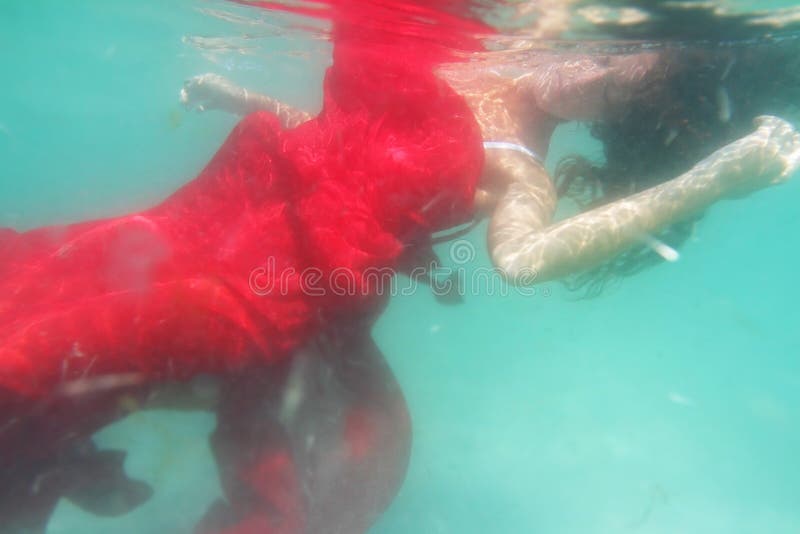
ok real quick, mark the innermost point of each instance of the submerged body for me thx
(313, 435)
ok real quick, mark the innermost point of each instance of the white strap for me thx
(661, 248)
(507, 145)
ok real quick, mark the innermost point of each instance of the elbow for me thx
(517, 268)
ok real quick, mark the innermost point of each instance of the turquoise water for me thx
(669, 404)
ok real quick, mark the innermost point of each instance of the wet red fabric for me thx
(217, 277)
(168, 293)
(273, 479)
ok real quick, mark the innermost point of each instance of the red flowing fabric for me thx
(167, 293)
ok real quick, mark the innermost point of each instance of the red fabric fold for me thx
(167, 293)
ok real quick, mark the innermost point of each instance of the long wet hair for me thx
(706, 94)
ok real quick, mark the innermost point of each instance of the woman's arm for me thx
(528, 250)
(211, 91)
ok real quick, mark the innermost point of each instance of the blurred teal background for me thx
(670, 404)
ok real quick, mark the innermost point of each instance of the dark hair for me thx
(705, 95)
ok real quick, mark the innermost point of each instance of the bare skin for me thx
(211, 91)
(520, 97)
(528, 249)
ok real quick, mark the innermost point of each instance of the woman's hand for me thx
(212, 91)
(766, 157)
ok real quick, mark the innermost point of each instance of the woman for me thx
(518, 100)
(103, 317)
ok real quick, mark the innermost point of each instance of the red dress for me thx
(166, 293)
(216, 278)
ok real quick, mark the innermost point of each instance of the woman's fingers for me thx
(784, 141)
(209, 91)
